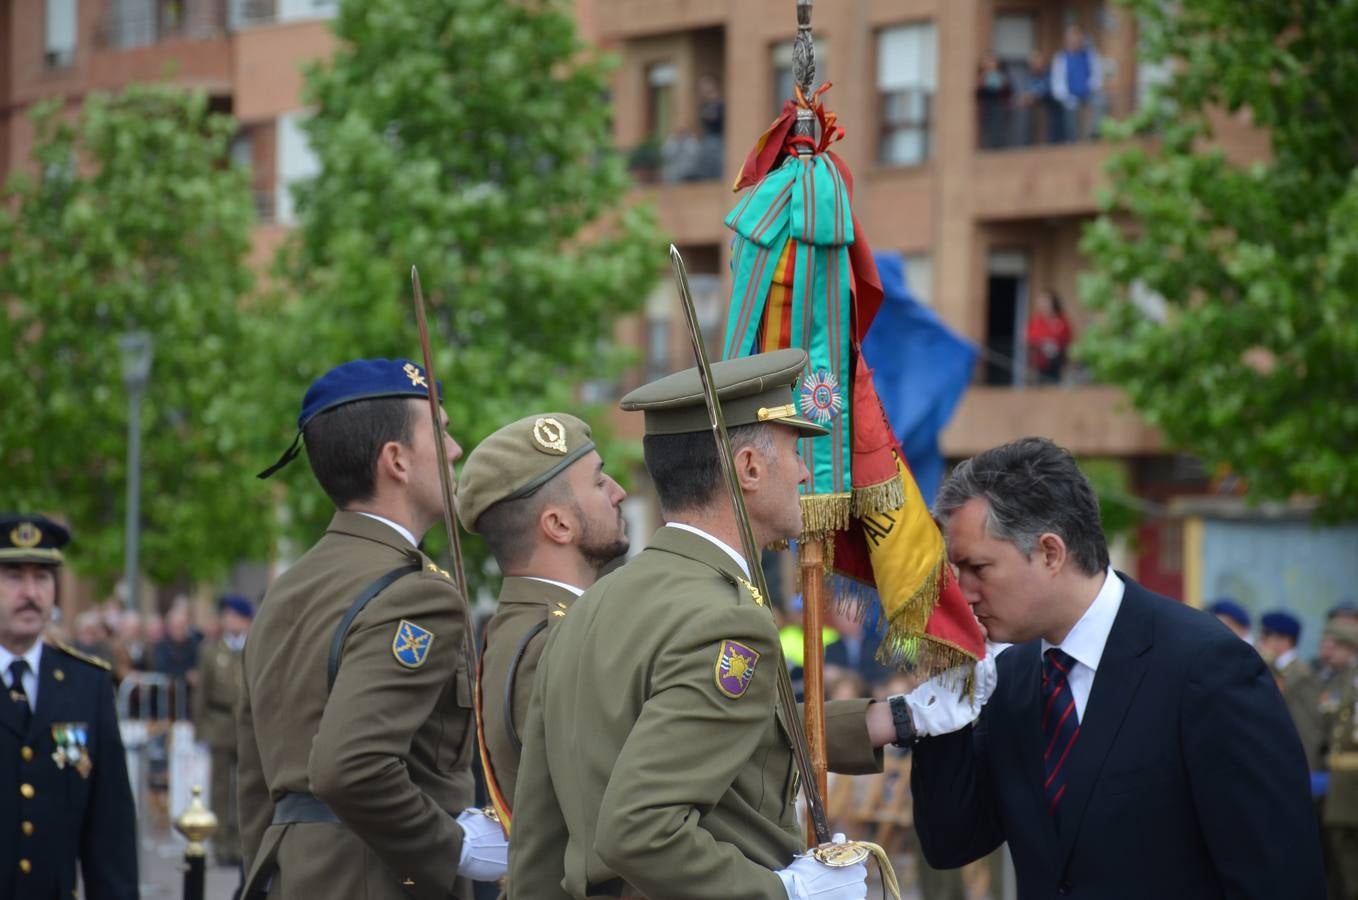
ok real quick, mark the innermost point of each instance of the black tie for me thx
(17, 670)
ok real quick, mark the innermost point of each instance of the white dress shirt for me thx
(730, 551)
(34, 658)
(561, 584)
(400, 529)
(1086, 640)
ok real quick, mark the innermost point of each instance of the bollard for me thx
(197, 824)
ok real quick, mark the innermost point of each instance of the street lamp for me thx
(136, 352)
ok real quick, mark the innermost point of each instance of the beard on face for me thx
(599, 549)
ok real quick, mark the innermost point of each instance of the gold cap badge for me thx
(414, 375)
(26, 535)
(550, 435)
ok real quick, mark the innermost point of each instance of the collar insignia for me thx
(411, 644)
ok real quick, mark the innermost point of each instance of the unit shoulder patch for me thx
(411, 644)
(735, 668)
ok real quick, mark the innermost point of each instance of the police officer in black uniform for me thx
(63, 774)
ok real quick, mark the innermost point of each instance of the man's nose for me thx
(454, 449)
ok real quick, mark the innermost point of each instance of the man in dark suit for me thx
(63, 772)
(1133, 746)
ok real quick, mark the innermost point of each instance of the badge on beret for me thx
(26, 535)
(550, 435)
(735, 668)
(821, 398)
(411, 644)
(416, 379)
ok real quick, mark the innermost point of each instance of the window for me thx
(296, 162)
(919, 276)
(906, 76)
(59, 34)
(782, 71)
(293, 10)
(660, 81)
(1006, 318)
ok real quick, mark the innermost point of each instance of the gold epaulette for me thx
(83, 657)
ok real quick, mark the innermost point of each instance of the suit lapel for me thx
(1120, 673)
(51, 692)
(9, 710)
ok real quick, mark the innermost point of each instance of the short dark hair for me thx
(506, 524)
(343, 443)
(685, 467)
(1033, 487)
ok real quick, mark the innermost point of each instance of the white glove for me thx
(809, 879)
(936, 707)
(485, 849)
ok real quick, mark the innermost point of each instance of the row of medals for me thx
(71, 748)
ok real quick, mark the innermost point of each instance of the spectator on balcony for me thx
(681, 155)
(993, 91)
(711, 127)
(1035, 108)
(1048, 337)
(1077, 84)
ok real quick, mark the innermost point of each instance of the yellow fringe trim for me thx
(876, 499)
(824, 513)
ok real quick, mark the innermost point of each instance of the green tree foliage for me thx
(470, 138)
(131, 218)
(1251, 360)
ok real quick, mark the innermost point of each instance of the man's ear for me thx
(1051, 550)
(749, 465)
(393, 462)
(557, 524)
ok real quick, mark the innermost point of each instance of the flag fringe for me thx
(875, 499)
(824, 513)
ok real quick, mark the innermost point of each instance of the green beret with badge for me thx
(752, 389)
(517, 460)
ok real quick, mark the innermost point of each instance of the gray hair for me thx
(1032, 487)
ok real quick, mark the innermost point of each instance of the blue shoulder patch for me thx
(411, 644)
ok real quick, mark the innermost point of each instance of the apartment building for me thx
(985, 197)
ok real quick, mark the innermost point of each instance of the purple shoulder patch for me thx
(735, 668)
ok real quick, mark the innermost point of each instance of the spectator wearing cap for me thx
(1279, 632)
(219, 674)
(1233, 616)
(1346, 609)
(536, 490)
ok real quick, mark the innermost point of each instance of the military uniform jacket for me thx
(78, 808)
(509, 667)
(1341, 800)
(654, 760)
(215, 699)
(388, 749)
(1301, 691)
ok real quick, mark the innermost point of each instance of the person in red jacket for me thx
(1049, 336)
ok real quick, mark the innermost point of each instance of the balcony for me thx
(143, 41)
(130, 25)
(1095, 420)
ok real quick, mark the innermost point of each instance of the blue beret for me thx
(237, 604)
(361, 379)
(30, 538)
(1231, 610)
(1283, 623)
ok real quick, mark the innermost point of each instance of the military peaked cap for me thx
(31, 539)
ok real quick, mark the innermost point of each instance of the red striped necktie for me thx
(1060, 724)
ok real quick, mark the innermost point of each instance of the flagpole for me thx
(811, 549)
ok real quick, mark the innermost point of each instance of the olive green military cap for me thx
(1343, 631)
(517, 460)
(752, 389)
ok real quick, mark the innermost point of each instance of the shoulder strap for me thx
(509, 684)
(371, 591)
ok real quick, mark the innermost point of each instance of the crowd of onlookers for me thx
(133, 642)
(1043, 99)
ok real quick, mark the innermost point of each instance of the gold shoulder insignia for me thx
(83, 657)
(757, 597)
(437, 571)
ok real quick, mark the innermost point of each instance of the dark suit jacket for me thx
(1187, 780)
(76, 811)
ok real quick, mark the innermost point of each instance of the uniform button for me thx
(25, 866)
(1063, 888)
(27, 791)
(26, 754)
(27, 829)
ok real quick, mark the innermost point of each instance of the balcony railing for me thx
(129, 24)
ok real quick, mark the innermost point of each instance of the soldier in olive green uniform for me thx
(1340, 705)
(1279, 632)
(219, 676)
(655, 762)
(355, 719)
(536, 490)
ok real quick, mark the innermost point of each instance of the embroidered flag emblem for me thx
(411, 644)
(735, 668)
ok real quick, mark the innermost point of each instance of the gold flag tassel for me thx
(851, 853)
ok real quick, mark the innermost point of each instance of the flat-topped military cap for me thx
(752, 389)
(359, 379)
(31, 539)
(517, 460)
